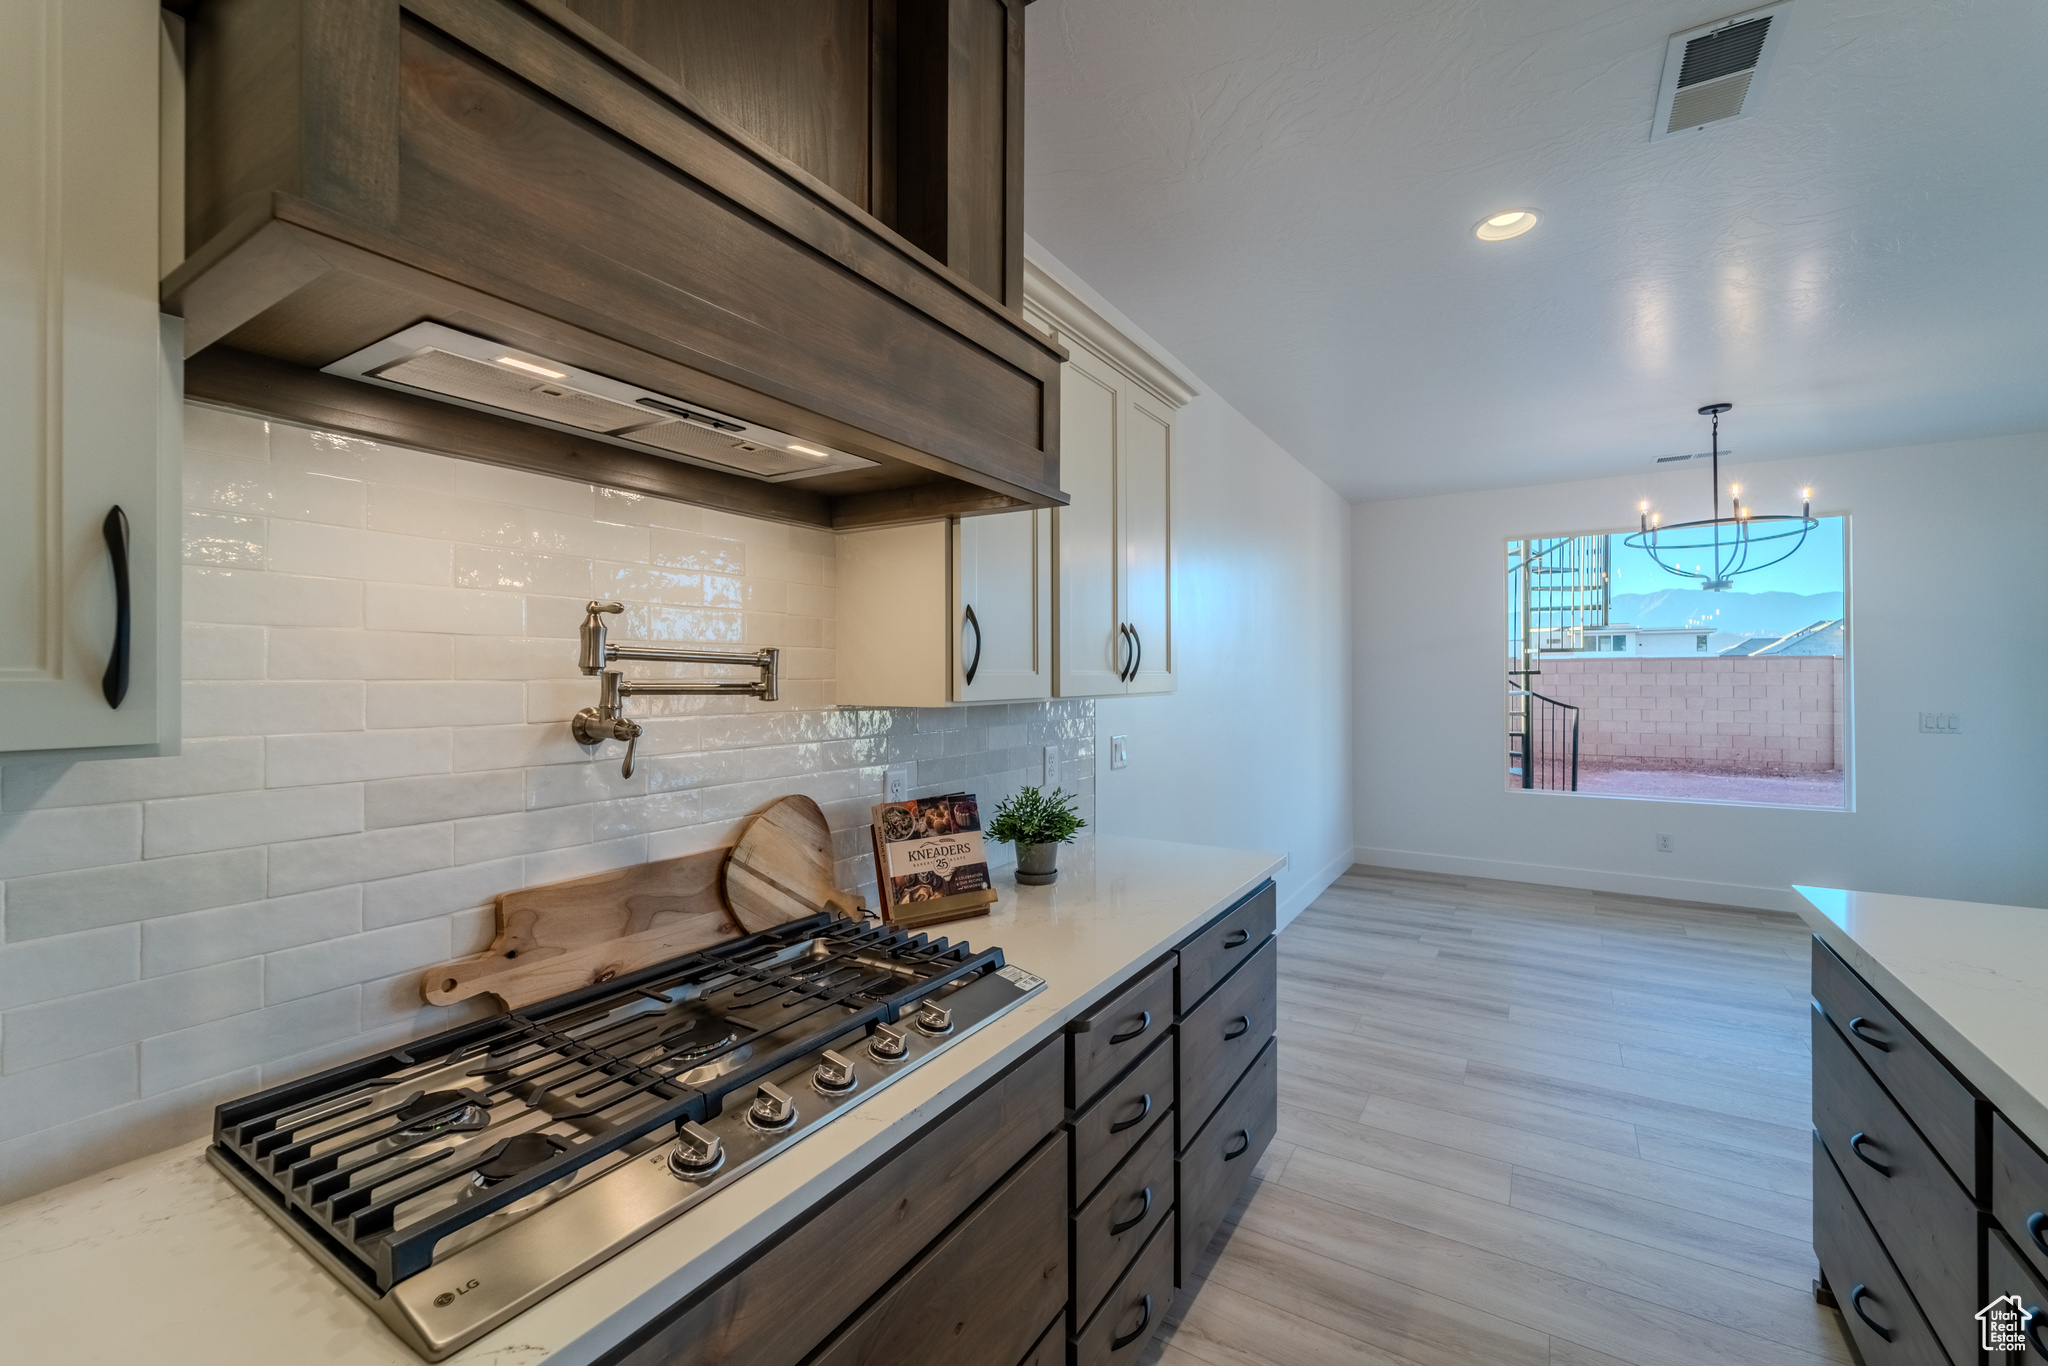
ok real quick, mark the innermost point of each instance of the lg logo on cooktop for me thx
(447, 1297)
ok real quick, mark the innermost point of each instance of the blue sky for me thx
(1816, 567)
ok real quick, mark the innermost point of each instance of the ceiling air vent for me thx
(1714, 74)
(479, 373)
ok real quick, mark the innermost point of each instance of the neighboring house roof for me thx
(1821, 638)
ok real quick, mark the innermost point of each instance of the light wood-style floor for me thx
(1526, 1126)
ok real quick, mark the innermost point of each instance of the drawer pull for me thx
(1123, 1226)
(1857, 1294)
(1856, 1142)
(1144, 1022)
(2034, 1319)
(1237, 939)
(1123, 1340)
(1244, 1137)
(2037, 1228)
(1857, 1026)
(1237, 1028)
(1144, 1109)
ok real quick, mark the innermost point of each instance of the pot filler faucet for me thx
(607, 720)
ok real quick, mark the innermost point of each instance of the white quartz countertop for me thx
(1971, 978)
(162, 1260)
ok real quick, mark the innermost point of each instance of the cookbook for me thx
(930, 862)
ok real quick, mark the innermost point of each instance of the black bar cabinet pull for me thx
(1857, 1293)
(1856, 1142)
(1244, 1137)
(1139, 658)
(1142, 1022)
(974, 663)
(1856, 1027)
(2037, 1228)
(1123, 1226)
(1123, 1340)
(1123, 670)
(114, 684)
(1144, 1109)
(1236, 939)
(1237, 1028)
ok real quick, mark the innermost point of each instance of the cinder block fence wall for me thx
(1771, 715)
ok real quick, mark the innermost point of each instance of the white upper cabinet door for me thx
(1093, 646)
(88, 411)
(1002, 607)
(1147, 501)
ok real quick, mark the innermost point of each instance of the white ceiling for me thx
(1283, 194)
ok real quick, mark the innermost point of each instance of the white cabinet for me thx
(943, 612)
(89, 411)
(1113, 630)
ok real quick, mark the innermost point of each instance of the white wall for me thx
(1251, 750)
(1947, 596)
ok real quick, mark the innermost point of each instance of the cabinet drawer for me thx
(1927, 1223)
(1220, 1039)
(982, 1292)
(1116, 1120)
(1134, 1310)
(1230, 939)
(1216, 1165)
(1051, 1347)
(2008, 1273)
(1882, 1319)
(1115, 1034)
(2019, 1191)
(1113, 1225)
(1938, 1102)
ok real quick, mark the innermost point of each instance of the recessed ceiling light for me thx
(531, 368)
(807, 450)
(1502, 226)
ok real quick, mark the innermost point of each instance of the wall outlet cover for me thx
(1119, 751)
(898, 788)
(1052, 765)
(1941, 722)
(1666, 845)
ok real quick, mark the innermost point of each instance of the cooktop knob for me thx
(834, 1074)
(933, 1018)
(889, 1044)
(772, 1108)
(698, 1151)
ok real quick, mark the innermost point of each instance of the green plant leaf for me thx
(1034, 816)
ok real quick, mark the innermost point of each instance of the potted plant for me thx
(1037, 823)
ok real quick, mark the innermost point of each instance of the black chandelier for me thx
(1720, 547)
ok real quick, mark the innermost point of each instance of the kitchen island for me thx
(161, 1259)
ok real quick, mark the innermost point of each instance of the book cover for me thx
(928, 849)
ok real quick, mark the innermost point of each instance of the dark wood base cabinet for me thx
(1048, 1219)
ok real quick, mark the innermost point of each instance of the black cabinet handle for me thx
(1123, 1226)
(1123, 670)
(1139, 660)
(974, 663)
(1856, 1027)
(1144, 1109)
(1236, 939)
(1857, 1294)
(114, 685)
(1123, 1340)
(1243, 1147)
(1144, 1019)
(1856, 1142)
(2037, 1228)
(1237, 1028)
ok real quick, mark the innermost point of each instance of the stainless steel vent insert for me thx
(1715, 73)
(476, 372)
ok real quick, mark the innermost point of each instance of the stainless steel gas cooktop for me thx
(457, 1181)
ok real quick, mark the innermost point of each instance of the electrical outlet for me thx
(899, 783)
(1052, 766)
(1119, 751)
(1666, 845)
(1941, 722)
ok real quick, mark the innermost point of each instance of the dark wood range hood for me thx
(805, 214)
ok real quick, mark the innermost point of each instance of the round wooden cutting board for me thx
(781, 870)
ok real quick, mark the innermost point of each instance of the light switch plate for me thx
(1052, 766)
(899, 784)
(1119, 751)
(1941, 722)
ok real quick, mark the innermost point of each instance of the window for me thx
(1755, 712)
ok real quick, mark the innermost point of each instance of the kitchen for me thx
(481, 385)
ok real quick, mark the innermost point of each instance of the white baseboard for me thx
(1313, 886)
(1744, 894)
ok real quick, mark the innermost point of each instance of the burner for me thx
(429, 1113)
(516, 1155)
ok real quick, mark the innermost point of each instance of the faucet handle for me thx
(629, 731)
(591, 655)
(594, 607)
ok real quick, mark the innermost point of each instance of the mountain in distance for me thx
(1757, 614)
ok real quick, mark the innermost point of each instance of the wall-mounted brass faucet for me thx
(607, 720)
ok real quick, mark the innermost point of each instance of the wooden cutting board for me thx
(781, 870)
(573, 934)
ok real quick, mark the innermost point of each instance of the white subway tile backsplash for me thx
(355, 755)
(519, 570)
(305, 864)
(554, 616)
(213, 651)
(492, 837)
(257, 597)
(485, 657)
(336, 654)
(582, 860)
(458, 611)
(238, 820)
(179, 943)
(444, 703)
(65, 1152)
(271, 707)
(38, 1035)
(261, 489)
(498, 484)
(85, 898)
(442, 797)
(523, 746)
(351, 552)
(312, 968)
(67, 964)
(224, 765)
(175, 1060)
(46, 841)
(348, 457)
(422, 896)
(556, 700)
(63, 1091)
(223, 538)
(696, 550)
(221, 432)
